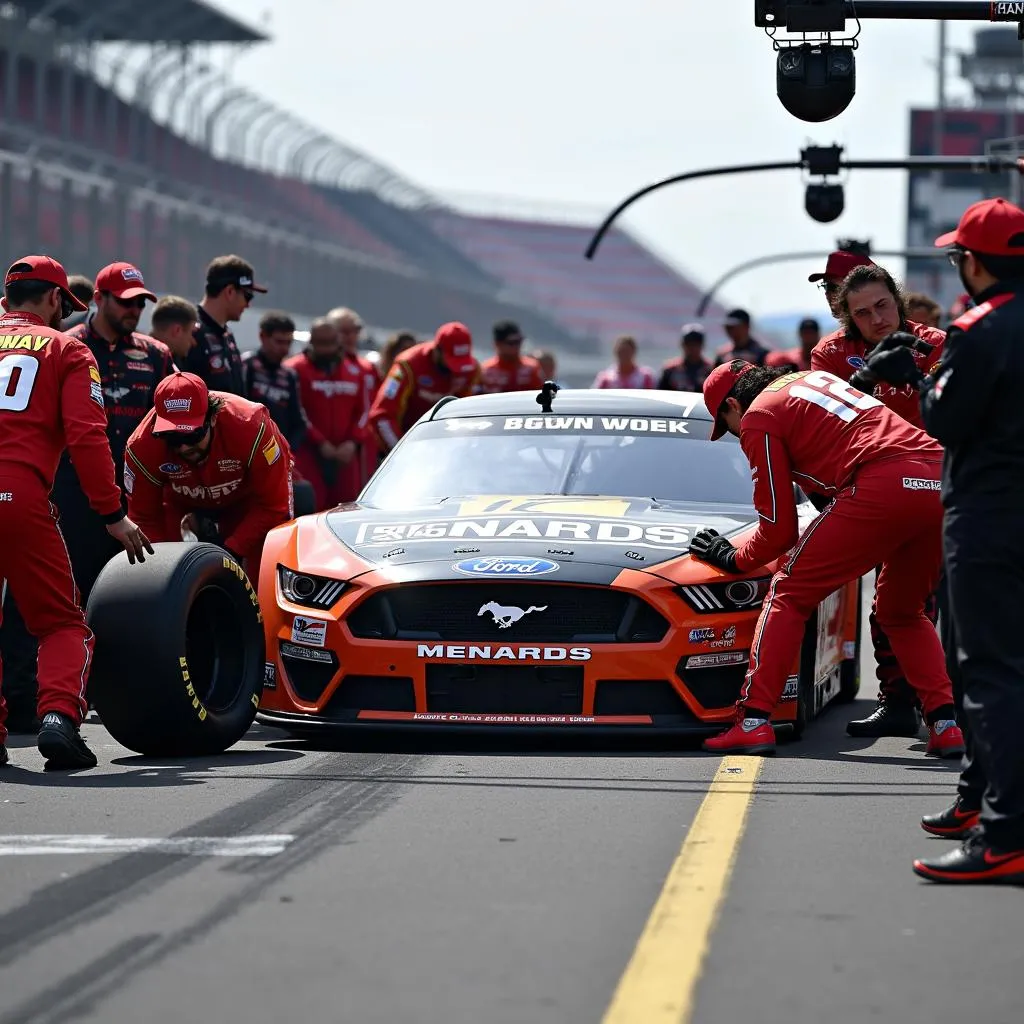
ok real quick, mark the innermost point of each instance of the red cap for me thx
(717, 385)
(456, 345)
(181, 401)
(993, 226)
(840, 263)
(46, 269)
(123, 281)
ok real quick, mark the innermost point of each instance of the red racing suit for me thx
(790, 357)
(414, 385)
(51, 397)
(245, 481)
(836, 353)
(815, 430)
(369, 448)
(332, 396)
(510, 375)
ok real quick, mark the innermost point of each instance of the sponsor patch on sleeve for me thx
(94, 374)
(96, 393)
(391, 386)
(272, 451)
(914, 483)
(129, 480)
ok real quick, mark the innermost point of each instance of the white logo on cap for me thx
(131, 274)
(460, 350)
(245, 281)
(177, 404)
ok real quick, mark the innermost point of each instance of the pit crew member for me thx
(268, 380)
(230, 287)
(51, 398)
(871, 306)
(508, 369)
(210, 463)
(798, 358)
(691, 369)
(173, 322)
(421, 377)
(331, 392)
(972, 407)
(744, 345)
(816, 430)
(625, 373)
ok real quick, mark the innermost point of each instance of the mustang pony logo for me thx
(504, 615)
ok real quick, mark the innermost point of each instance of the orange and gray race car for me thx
(513, 567)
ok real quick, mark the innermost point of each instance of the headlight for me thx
(737, 595)
(310, 591)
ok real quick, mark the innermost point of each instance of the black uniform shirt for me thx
(276, 387)
(215, 356)
(973, 404)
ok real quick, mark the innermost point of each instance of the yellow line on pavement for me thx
(661, 978)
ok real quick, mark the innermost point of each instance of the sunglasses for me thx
(66, 309)
(138, 303)
(182, 438)
(956, 257)
(830, 287)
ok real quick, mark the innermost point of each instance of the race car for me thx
(512, 564)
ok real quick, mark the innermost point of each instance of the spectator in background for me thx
(923, 309)
(690, 370)
(798, 358)
(268, 380)
(230, 287)
(349, 325)
(82, 288)
(393, 348)
(508, 369)
(332, 394)
(743, 344)
(547, 363)
(173, 322)
(625, 373)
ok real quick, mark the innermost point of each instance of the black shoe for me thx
(887, 720)
(976, 862)
(61, 743)
(953, 823)
(5, 758)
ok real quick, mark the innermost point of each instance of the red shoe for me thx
(738, 740)
(945, 740)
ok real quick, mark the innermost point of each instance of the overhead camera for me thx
(816, 81)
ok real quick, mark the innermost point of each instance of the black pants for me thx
(985, 573)
(90, 547)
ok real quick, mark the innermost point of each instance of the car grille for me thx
(713, 687)
(309, 679)
(372, 693)
(638, 697)
(505, 689)
(436, 611)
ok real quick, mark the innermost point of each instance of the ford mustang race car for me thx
(515, 566)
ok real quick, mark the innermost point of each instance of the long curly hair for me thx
(859, 278)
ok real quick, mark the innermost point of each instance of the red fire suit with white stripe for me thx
(814, 429)
(51, 397)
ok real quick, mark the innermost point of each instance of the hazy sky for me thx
(582, 102)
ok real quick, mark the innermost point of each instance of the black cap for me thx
(238, 272)
(809, 324)
(737, 316)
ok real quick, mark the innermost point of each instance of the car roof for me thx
(579, 402)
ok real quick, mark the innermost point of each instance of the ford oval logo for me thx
(507, 566)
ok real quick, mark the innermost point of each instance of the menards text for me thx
(467, 652)
(580, 531)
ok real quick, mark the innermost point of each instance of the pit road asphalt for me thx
(431, 885)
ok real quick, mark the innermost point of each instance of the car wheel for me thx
(805, 683)
(180, 652)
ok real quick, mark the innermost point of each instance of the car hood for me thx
(572, 539)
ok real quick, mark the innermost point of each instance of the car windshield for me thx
(670, 460)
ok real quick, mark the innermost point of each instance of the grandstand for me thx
(118, 141)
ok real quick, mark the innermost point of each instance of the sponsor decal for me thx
(272, 452)
(214, 492)
(487, 652)
(391, 386)
(216, 363)
(269, 676)
(94, 374)
(661, 536)
(96, 393)
(461, 718)
(6, 496)
(849, 649)
(604, 424)
(792, 688)
(176, 404)
(506, 615)
(856, 362)
(131, 274)
(425, 382)
(229, 465)
(505, 566)
(136, 353)
(305, 654)
(636, 556)
(702, 636)
(333, 388)
(716, 660)
(915, 483)
(456, 425)
(170, 467)
(1008, 8)
(144, 367)
(727, 639)
(116, 393)
(26, 341)
(311, 632)
(129, 481)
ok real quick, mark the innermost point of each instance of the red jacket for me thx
(814, 429)
(51, 398)
(838, 354)
(792, 357)
(246, 472)
(517, 375)
(415, 384)
(333, 398)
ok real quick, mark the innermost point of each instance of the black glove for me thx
(714, 549)
(895, 366)
(903, 339)
(207, 531)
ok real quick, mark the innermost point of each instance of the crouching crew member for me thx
(206, 457)
(816, 430)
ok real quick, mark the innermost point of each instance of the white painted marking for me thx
(196, 846)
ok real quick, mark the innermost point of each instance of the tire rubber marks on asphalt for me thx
(660, 981)
(195, 846)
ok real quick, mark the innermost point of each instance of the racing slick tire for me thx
(180, 652)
